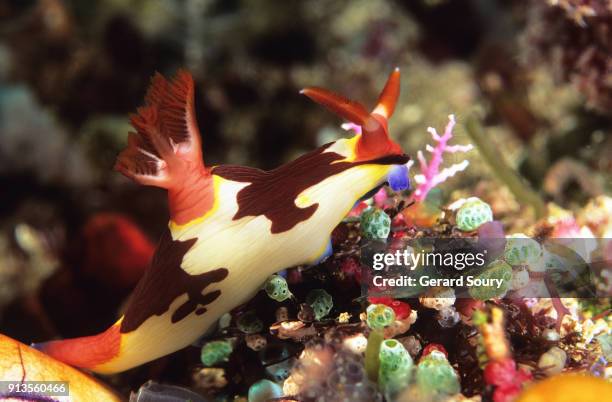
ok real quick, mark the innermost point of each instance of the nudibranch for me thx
(231, 227)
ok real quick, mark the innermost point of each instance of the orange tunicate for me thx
(421, 215)
(568, 388)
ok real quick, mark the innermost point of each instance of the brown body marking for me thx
(270, 193)
(273, 193)
(165, 280)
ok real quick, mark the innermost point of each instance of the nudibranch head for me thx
(372, 128)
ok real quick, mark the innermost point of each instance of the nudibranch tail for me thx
(374, 141)
(165, 151)
(86, 352)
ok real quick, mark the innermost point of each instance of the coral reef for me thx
(523, 90)
(574, 36)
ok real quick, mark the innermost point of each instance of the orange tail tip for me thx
(86, 352)
(374, 141)
(166, 145)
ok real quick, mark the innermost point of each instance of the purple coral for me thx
(431, 175)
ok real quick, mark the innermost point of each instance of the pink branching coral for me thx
(431, 175)
(351, 126)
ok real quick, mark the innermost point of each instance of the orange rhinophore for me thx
(374, 140)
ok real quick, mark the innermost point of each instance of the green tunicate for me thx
(372, 361)
(281, 370)
(395, 367)
(320, 301)
(521, 250)
(551, 261)
(264, 390)
(435, 375)
(249, 323)
(277, 289)
(375, 224)
(379, 316)
(215, 352)
(496, 270)
(472, 214)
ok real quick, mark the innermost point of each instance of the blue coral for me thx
(398, 178)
